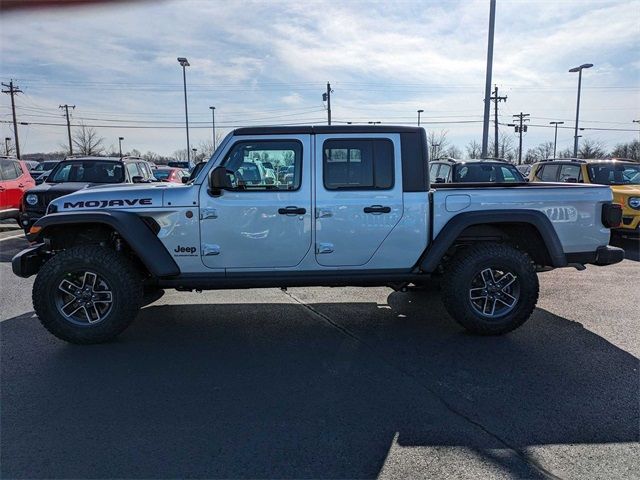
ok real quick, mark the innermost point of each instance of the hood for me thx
(625, 190)
(117, 196)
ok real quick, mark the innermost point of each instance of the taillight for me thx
(611, 215)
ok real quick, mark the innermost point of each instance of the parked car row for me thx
(15, 179)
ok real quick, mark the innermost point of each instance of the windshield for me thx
(614, 173)
(44, 166)
(94, 171)
(161, 174)
(486, 172)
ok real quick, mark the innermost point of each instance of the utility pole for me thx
(636, 121)
(120, 139)
(419, 112)
(213, 124)
(496, 99)
(326, 97)
(66, 111)
(434, 146)
(487, 85)
(6, 145)
(520, 129)
(12, 90)
(555, 137)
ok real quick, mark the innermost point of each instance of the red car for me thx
(15, 179)
(170, 174)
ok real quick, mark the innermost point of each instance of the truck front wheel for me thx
(87, 294)
(490, 288)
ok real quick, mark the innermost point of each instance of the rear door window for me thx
(549, 173)
(9, 171)
(570, 173)
(359, 164)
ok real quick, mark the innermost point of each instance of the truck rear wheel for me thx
(490, 289)
(87, 294)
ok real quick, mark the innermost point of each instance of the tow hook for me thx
(578, 266)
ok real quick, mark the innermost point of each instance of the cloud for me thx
(268, 62)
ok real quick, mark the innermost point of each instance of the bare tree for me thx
(506, 149)
(437, 143)
(474, 149)
(453, 152)
(629, 150)
(591, 149)
(566, 153)
(87, 141)
(180, 155)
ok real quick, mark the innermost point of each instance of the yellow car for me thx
(622, 175)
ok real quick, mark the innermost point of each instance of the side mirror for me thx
(571, 180)
(218, 181)
(440, 180)
(185, 179)
(137, 179)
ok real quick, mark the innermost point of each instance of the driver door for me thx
(262, 221)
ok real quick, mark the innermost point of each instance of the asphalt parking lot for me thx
(328, 383)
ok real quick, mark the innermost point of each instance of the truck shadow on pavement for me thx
(318, 391)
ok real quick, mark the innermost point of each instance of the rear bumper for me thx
(28, 261)
(605, 255)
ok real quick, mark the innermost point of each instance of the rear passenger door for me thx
(358, 196)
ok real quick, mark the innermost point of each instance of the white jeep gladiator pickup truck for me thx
(342, 205)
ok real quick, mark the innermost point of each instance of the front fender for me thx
(130, 226)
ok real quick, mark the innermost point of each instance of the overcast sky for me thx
(268, 63)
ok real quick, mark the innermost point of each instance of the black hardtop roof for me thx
(326, 129)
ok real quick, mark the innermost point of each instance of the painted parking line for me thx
(12, 237)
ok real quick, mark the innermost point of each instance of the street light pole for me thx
(6, 145)
(213, 124)
(419, 112)
(185, 63)
(575, 136)
(120, 145)
(555, 137)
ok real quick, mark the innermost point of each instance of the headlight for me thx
(32, 199)
(634, 202)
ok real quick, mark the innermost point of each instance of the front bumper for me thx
(605, 255)
(28, 261)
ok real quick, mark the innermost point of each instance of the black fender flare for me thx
(130, 226)
(454, 227)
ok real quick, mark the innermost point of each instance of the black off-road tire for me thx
(470, 262)
(120, 274)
